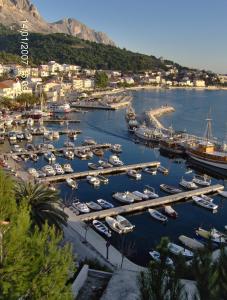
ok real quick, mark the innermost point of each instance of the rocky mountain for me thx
(12, 12)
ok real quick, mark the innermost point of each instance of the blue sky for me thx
(192, 33)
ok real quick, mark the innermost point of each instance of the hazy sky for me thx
(192, 33)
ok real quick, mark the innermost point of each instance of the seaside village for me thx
(34, 117)
(58, 81)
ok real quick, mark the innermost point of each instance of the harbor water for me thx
(191, 110)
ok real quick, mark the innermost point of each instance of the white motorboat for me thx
(58, 169)
(49, 170)
(141, 195)
(89, 142)
(170, 189)
(150, 170)
(55, 135)
(157, 215)
(223, 193)
(82, 207)
(134, 174)
(50, 157)
(94, 206)
(201, 180)
(67, 168)
(163, 170)
(207, 198)
(34, 157)
(103, 179)
(16, 158)
(189, 185)
(178, 250)
(94, 166)
(20, 136)
(33, 172)
(105, 204)
(105, 164)
(60, 108)
(69, 144)
(168, 210)
(156, 257)
(41, 174)
(93, 180)
(72, 183)
(213, 234)
(125, 197)
(114, 224)
(191, 243)
(204, 203)
(150, 192)
(116, 148)
(28, 136)
(69, 154)
(17, 149)
(115, 161)
(125, 224)
(101, 227)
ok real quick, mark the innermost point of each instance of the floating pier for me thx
(61, 120)
(113, 170)
(42, 151)
(143, 205)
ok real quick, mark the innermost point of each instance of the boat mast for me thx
(208, 131)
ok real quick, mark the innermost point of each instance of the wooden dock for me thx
(143, 205)
(42, 151)
(61, 120)
(113, 170)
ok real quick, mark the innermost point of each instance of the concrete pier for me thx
(154, 113)
(143, 205)
(113, 170)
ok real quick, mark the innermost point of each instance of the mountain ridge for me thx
(12, 12)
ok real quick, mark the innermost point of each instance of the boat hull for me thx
(208, 162)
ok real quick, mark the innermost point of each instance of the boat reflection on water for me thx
(208, 170)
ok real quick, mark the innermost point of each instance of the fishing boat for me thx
(163, 170)
(204, 203)
(125, 224)
(189, 185)
(101, 227)
(98, 152)
(157, 257)
(103, 179)
(206, 152)
(141, 195)
(150, 170)
(213, 235)
(168, 210)
(134, 174)
(94, 206)
(72, 183)
(130, 113)
(150, 192)
(157, 215)
(114, 224)
(93, 180)
(125, 197)
(67, 168)
(170, 189)
(115, 161)
(105, 164)
(82, 207)
(191, 243)
(105, 204)
(133, 125)
(178, 250)
(116, 148)
(50, 157)
(201, 180)
(172, 146)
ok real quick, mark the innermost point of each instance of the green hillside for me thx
(71, 50)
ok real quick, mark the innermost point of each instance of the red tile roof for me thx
(6, 84)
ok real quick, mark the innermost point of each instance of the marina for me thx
(148, 204)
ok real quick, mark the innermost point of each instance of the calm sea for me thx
(192, 108)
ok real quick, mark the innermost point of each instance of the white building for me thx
(88, 83)
(77, 84)
(199, 83)
(10, 89)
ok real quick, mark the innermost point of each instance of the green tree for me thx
(161, 281)
(7, 200)
(221, 265)
(101, 79)
(27, 100)
(44, 203)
